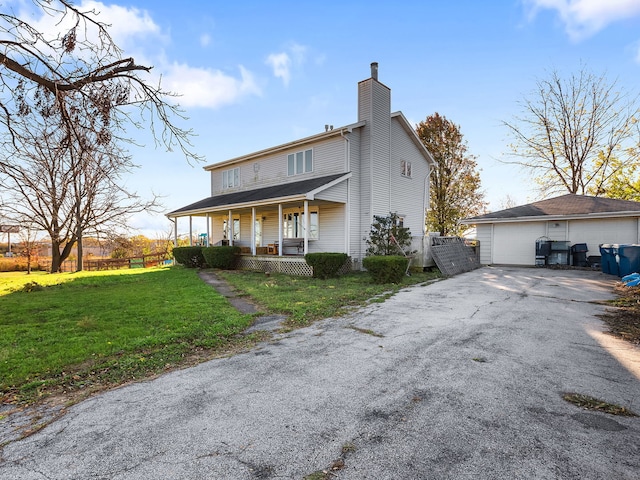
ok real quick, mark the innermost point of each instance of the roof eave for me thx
(236, 206)
(404, 123)
(537, 218)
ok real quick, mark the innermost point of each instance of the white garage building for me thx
(508, 237)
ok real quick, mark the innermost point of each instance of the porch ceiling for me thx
(261, 196)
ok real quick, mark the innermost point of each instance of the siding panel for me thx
(328, 159)
(407, 194)
(483, 235)
(596, 232)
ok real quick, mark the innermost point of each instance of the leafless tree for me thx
(67, 99)
(80, 58)
(576, 134)
(65, 191)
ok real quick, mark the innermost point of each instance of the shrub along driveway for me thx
(459, 379)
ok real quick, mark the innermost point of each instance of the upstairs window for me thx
(300, 162)
(405, 168)
(231, 178)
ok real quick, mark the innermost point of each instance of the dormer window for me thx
(231, 178)
(300, 162)
(405, 168)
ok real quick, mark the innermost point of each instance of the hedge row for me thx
(383, 269)
(213, 257)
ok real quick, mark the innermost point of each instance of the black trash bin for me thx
(579, 254)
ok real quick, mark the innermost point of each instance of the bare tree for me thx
(507, 202)
(576, 134)
(67, 99)
(29, 239)
(80, 58)
(66, 191)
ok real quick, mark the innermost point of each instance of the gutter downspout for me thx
(347, 213)
(426, 238)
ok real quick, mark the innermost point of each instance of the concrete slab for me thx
(457, 379)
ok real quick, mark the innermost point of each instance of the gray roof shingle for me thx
(570, 204)
(259, 194)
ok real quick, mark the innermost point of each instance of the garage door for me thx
(515, 244)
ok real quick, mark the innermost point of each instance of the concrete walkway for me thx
(458, 379)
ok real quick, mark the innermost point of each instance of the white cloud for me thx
(206, 88)
(583, 18)
(140, 37)
(281, 65)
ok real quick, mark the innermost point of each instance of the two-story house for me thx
(320, 193)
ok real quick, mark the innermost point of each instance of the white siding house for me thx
(320, 193)
(508, 237)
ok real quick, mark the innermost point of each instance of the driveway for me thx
(458, 379)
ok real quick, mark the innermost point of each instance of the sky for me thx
(254, 74)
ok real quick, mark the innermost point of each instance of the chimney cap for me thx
(374, 70)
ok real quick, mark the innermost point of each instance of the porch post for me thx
(230, 228)
(280, 249)
(208, 232)
(190, 231)
(175, 231)
(253, 230)
(347, 218)
(306, 226)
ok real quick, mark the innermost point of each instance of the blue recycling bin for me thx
(628, 259)
(609, 263)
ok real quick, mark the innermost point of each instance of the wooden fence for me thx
(144, 261)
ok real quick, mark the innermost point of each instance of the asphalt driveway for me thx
(458, 379)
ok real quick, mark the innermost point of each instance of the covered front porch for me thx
(285, 221)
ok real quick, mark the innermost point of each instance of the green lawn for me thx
(305, 299)
(80, 332)
(73, 331)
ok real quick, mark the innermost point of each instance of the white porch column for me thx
(230, 231)
(190, 231)
(280, 249)
(175, 231)
(347, 218)
(306, 226)
(208, 232)
(253, 230)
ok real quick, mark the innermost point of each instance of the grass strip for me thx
(306, 299)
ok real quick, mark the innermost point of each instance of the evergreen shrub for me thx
(190, 257)
(223, 257)
(326, 264)
(386, 268)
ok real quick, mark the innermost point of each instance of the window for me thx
(300, 162)
(293, 224)
(231, 178)
(258, 229)
(405, 168)
(236, 229)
